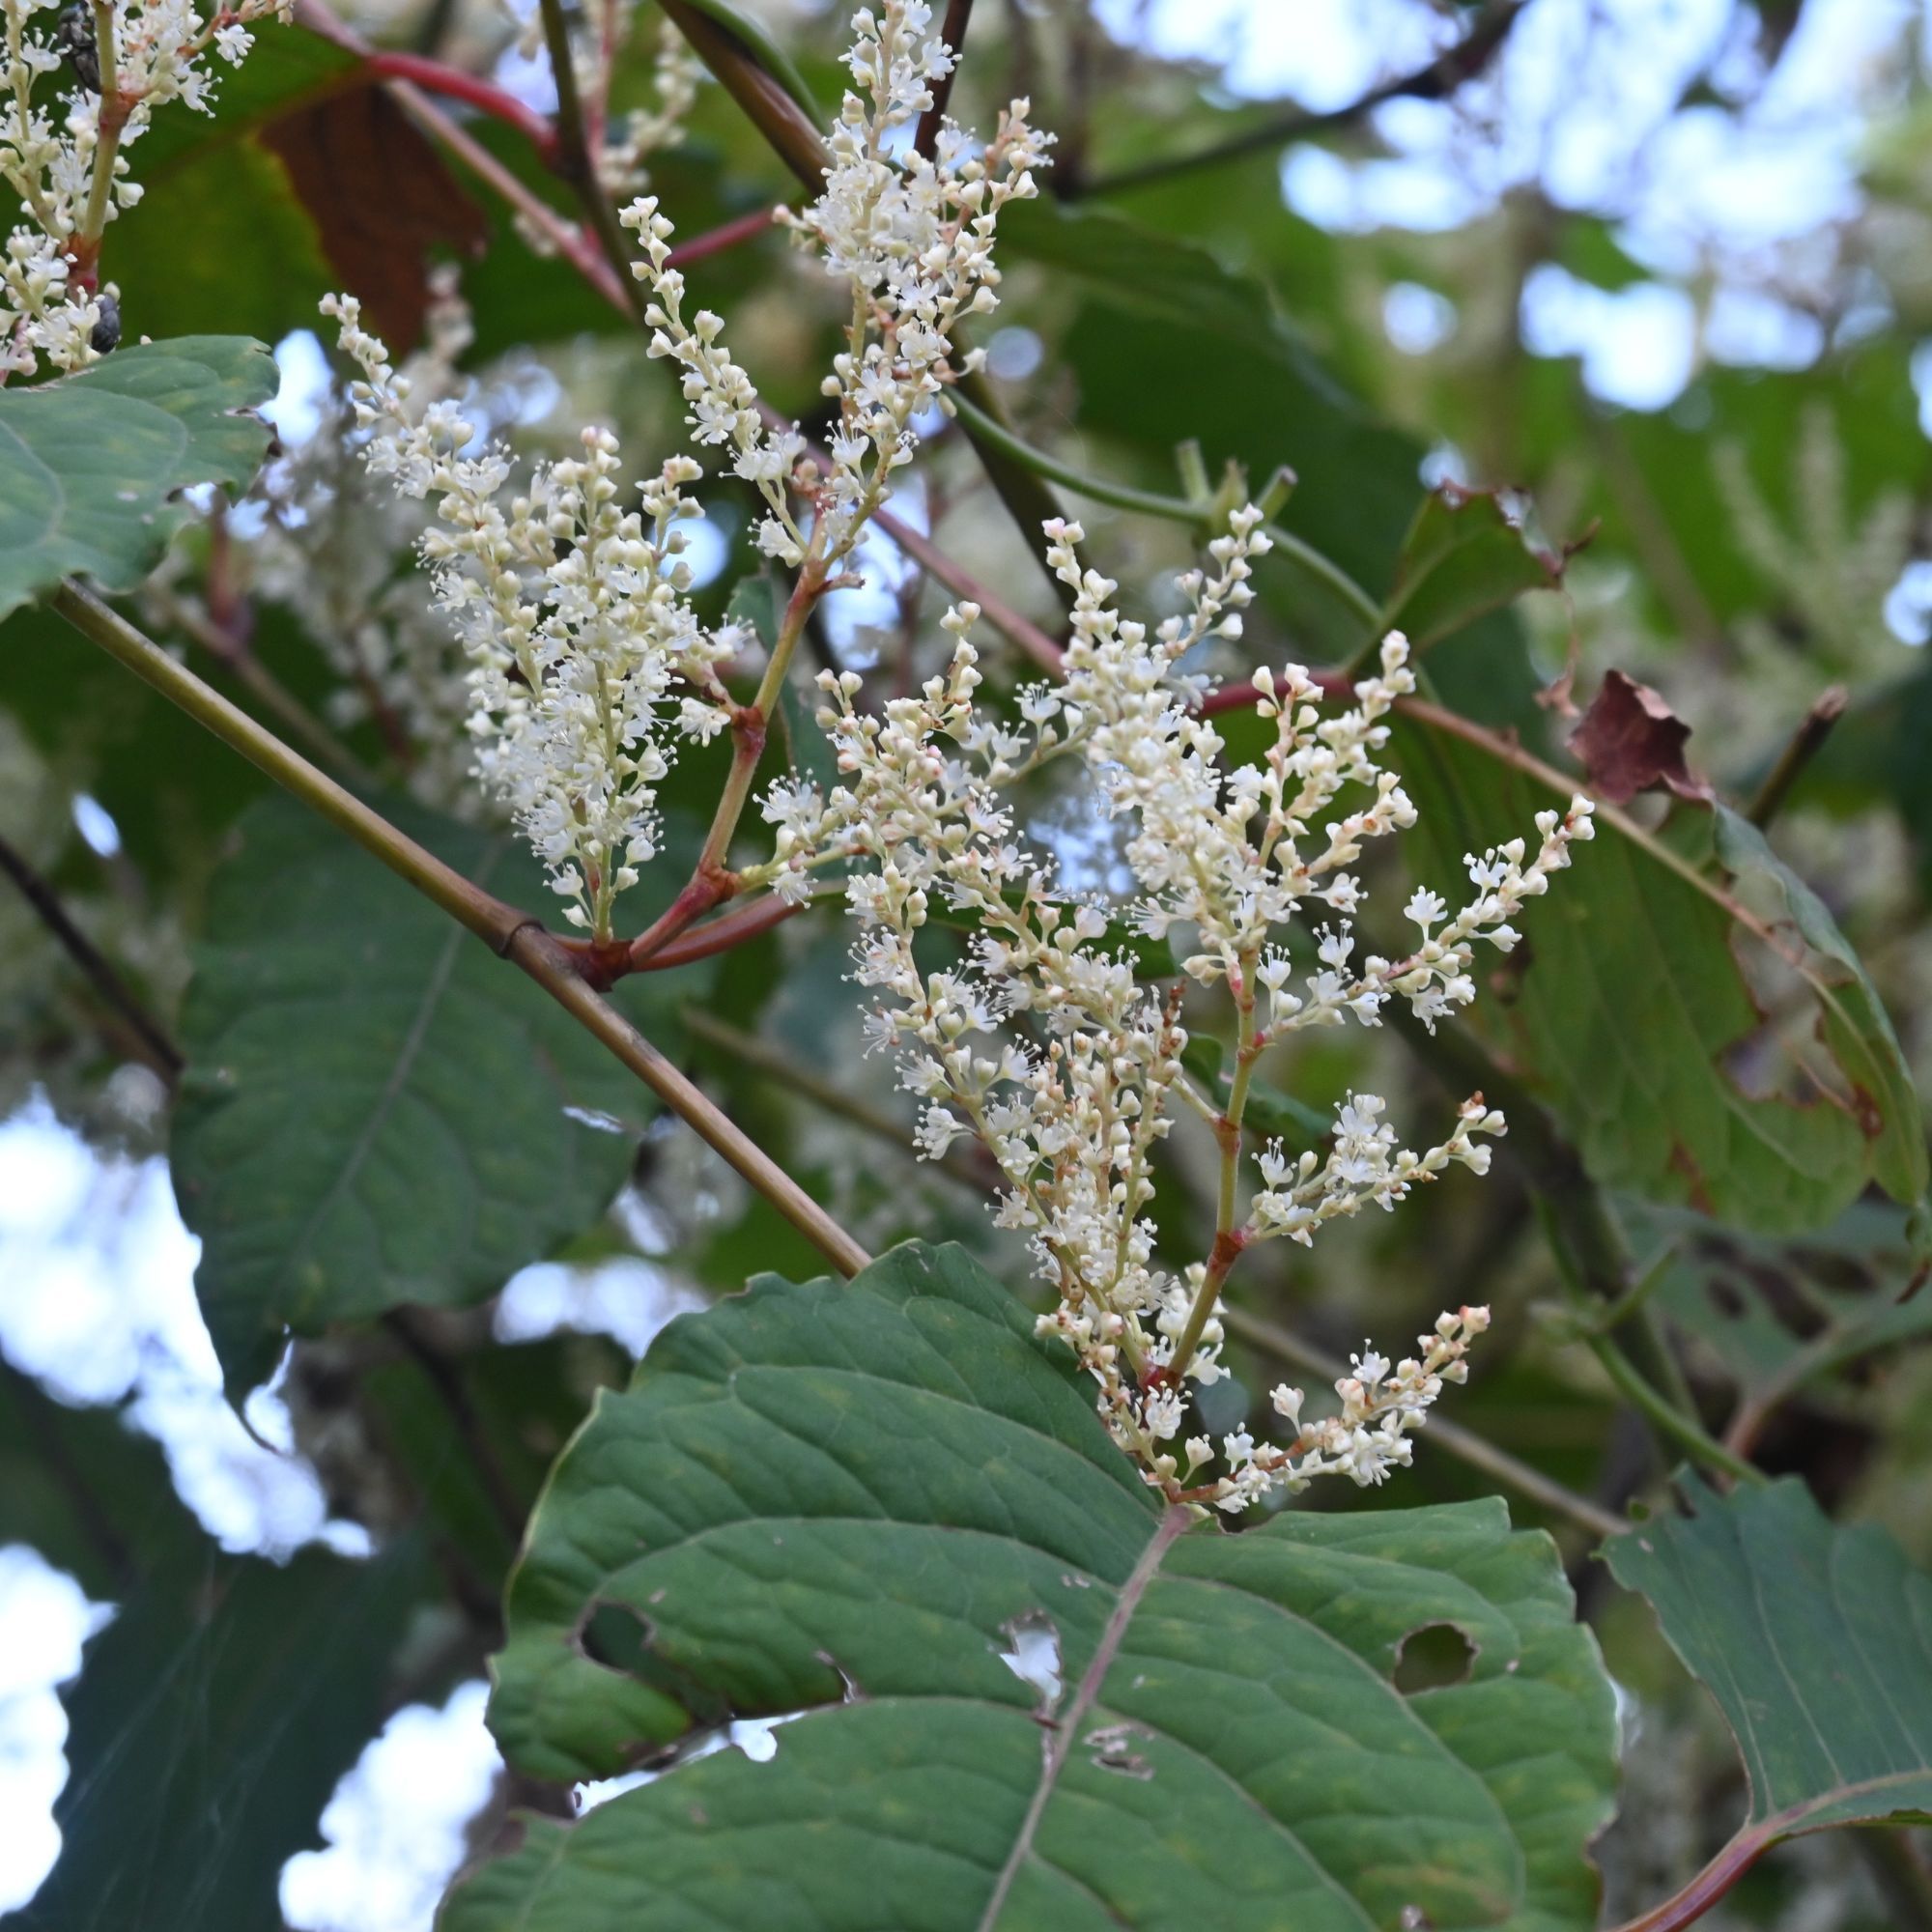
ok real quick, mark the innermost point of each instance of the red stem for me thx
(1710, 1885)
(930, 558)
(603, 965)
(453, 83)
(729, 929)
(715, 240)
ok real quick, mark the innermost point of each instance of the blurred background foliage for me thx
(1653, 269)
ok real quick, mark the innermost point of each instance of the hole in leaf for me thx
(1112, 1749)
(1433, 1657)
(754, 1737)
(1035, 1656)
(619, 1637)
(616, 1636)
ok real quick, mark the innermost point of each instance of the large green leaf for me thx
(1815, 1638)
(1852, 1025)
(209, 1723)
(220, 231)
(213, 1715)
(1629, 1010)
(1775, 1314)
(89, 465)
(82, 1487)
(377, 1110)
(867, 1497)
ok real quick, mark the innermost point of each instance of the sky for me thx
(96, 1269)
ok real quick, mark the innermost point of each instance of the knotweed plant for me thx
(1111, 872)
(1044, 1043)
(1049, 1049)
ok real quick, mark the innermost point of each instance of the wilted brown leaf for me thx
(1631, 741)
(381, 199)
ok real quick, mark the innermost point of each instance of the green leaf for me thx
(90, 464)
(213, 1715)
(1169, 343)
(755, 37)
(1857, 1032)
(219, 231)
(81, 1487)
(1814, 1637)
(861, 1498)
(757, 602)
(1269, 1111)
(1629, 1010)
(1774, 1314)
(1468, 552)
(377, 1110)
(208, 1727)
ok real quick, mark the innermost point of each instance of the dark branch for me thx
(958, 14)
(156, 1048)
(1436, 81)
(1805, 744)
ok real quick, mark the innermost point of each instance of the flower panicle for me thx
(1048, 1046)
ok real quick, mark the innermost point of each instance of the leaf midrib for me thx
(302, 1306)
(1060, 1744)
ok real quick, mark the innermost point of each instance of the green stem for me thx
(750, 728)
(1228, 1241)
(263, 685)
(1172, 509)
(1631, 1303)
(541, 955)
(481, 912)
(1668, 1421)
(508, 931)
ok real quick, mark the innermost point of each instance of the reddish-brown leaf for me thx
(381, 199)
(1631, 741)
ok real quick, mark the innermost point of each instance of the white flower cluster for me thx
(1048, 1043)
(676, 73)
(1047, 1046)
(912, 237)
(584, 652)
(1381, 1407)
(68, 163)
(574, 615)
(327, 551)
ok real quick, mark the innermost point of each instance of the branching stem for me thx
(151, 1038)
(507, 930)
(577, 158)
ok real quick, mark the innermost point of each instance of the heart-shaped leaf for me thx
(1705, 1041)
(1467, 553)
(1044, 1700)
